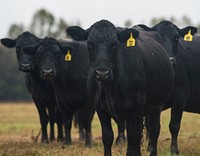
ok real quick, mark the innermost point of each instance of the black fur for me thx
(40, 91)
(185, 95)
(68, 79)
(127, 83)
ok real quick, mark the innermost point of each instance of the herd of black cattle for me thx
(127, 74)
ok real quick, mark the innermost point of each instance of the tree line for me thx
(44, 23)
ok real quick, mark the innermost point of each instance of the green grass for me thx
(19, 124)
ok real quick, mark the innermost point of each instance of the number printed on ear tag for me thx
(131, 41)
(68, 56)
(188, 37)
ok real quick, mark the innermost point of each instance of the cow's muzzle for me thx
(48, 73)
(103, 74)
(25, 67)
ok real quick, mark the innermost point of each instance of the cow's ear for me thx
(145, 27)
(127, 34)
(188, 30)
(77, 33)
(29, 50)
(9, 43)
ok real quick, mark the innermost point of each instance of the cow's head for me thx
(103, 43)
(172, 36)
(49, 54)
(23, 40)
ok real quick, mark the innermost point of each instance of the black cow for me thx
(184, 49)
(41, 91)
(66, 65)
(126, 82)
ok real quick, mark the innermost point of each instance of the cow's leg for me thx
(174, 128)
(178, 101)
(88, 132)
(85, 121)
(153, 129)
(67, 127)
(51, 110)
(82, 135)
(134, 125)
(66, 114)
(59, 122)
(175, 123)
(43, 119)
(107, 132)
(134, 133)
(66, 120)
(87, 127)
(79, 117)
(121, 136)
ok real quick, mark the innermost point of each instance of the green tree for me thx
(12, 86)
(182, 22)
(60, 29)
(15, 30)
(128, 24)
(156, 20)
(42, 23)
(198, 27)
(185, 21)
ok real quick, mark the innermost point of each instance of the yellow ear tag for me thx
(68, 56)
(188, 37)
(130, 42)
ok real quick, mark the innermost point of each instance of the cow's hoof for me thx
(120, 140)
(174, 151)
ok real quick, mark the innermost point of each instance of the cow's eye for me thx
(90, 46)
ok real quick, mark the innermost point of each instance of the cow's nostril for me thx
(25, 66)
(97, 76)
(106, 77)
(102, 71)
(48, 71)
(102, 74)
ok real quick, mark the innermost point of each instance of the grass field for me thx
(19, 124)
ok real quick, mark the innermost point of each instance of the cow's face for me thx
(172, 36)
(103, 46)
(27, 61)
(23, 40)
(103, 49)
(49, 53)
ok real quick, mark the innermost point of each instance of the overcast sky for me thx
(89, 11)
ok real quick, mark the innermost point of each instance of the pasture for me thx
(19, 125)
